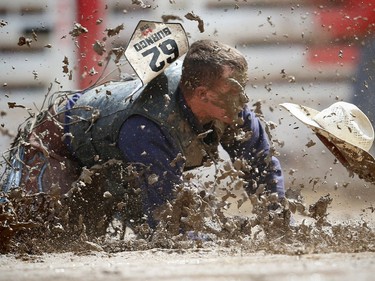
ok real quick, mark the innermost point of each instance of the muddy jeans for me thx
(39, 160)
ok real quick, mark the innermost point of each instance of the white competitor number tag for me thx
(154, 46)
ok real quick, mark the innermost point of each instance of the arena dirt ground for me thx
(341, 260)
(199, 264)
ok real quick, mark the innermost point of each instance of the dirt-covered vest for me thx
(99, 113)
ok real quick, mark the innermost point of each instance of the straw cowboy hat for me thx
(345, 130)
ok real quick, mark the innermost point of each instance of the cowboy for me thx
(346, 131)
(173, 124)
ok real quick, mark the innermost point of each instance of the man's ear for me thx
(201, 93)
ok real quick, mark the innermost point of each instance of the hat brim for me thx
(358, 160)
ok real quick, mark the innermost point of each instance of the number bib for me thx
(154, 46)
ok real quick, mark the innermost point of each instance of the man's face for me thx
(228, 96)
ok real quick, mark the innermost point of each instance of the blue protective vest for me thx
(100, 112)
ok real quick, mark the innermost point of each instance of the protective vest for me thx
(99, 113)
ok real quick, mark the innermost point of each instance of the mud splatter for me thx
(24, 41)
(167, 18)
(141, 4)
(197, 217)
(3, 23)
(194, 17)
(114, 31)
(78, 29)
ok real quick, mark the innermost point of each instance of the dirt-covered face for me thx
(228, 96)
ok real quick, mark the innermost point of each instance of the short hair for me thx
(204, 62)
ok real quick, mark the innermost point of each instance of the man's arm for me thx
(144, 144)
(255, 149)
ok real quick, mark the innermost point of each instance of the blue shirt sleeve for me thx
(144, 144)
(264, 168)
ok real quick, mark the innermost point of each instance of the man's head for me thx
(213, 79)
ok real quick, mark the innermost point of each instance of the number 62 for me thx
(168, 47)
